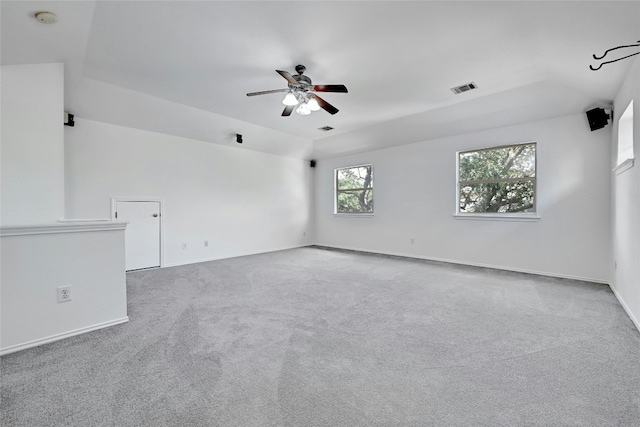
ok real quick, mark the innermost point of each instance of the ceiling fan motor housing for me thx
(303, 81)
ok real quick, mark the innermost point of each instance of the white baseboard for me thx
(404, 255)
(472, 264)
(196, 261)
(626, 308)
(633, 318)
(57, 337)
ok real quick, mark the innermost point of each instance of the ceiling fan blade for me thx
(330, 88)
(289, 77)
(287, 110)
(326, 106)
(265, 92)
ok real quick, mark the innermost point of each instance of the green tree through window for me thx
(497, 180)
(354, 190)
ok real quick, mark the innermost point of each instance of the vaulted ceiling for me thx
(184, 67)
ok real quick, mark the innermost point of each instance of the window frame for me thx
(625, 140)
(505, 216)
(337, 191)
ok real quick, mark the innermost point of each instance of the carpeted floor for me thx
(315, 337)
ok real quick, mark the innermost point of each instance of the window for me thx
(625, 136)
(498, 180)
(354, 190)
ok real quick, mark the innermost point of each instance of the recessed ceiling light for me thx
(46, 17)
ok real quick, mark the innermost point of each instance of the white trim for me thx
(624, 166)
(115, 200)
(63, 227)
(633, 318)
(498, 217)
(494, 147)
(354, 215)
(363, 165)
(472, 264)
(57, 337)
(196, 261)
(85, 220)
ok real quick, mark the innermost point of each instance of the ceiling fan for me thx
(303, 94)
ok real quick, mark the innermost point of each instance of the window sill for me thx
(624, 166)
(354, 215)
(498, 217)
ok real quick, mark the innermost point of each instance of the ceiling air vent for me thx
(459, 89)
(325, 128)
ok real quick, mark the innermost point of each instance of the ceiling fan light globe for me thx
(290, 99)
(303, 110)
(313, 105)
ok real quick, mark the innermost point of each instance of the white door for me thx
(142, 235)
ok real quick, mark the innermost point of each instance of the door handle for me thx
(155, 215)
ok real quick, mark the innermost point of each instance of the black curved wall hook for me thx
(614, 48)
(615, 60)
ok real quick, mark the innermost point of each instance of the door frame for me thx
(160, 201)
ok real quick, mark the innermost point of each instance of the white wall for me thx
(626, 205)
(32, 98)
(36, 260)
(104, 102)
(414, 193)
(241, 201)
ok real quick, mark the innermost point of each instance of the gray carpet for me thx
(315, 337)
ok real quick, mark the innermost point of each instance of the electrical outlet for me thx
(64, 293)
(413, 241)
(184, 246)
(304, 234)
(206, 243)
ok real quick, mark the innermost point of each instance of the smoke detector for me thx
(46, 17)
(464, 88)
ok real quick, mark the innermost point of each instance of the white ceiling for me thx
(185, 66)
